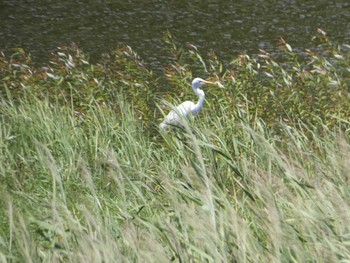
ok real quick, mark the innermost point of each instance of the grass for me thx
(108, 191)
(261, 176)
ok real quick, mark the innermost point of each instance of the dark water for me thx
(225, 26)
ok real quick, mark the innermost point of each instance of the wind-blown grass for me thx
(261, 176)
(107, 191)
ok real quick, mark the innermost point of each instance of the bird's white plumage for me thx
(187, 108)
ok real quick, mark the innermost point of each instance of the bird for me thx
(187, 108)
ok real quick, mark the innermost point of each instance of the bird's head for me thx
(198, 82)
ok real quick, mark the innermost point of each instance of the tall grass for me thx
(261, 176)
(100, 188)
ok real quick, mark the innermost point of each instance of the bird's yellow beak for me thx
(208, 82)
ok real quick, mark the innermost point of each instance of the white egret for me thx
(187, 108)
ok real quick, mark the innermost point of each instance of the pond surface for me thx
(225, 26)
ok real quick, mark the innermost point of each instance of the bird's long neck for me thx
(200, 103)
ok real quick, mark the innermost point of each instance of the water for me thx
(227, 27)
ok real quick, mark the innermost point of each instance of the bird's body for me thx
(187, 108)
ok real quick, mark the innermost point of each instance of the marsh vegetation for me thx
(261, 176)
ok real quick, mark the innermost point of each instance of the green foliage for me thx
(261, 176)
(105, 191)
(70, 79)
(290, 86)
(309, 86)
